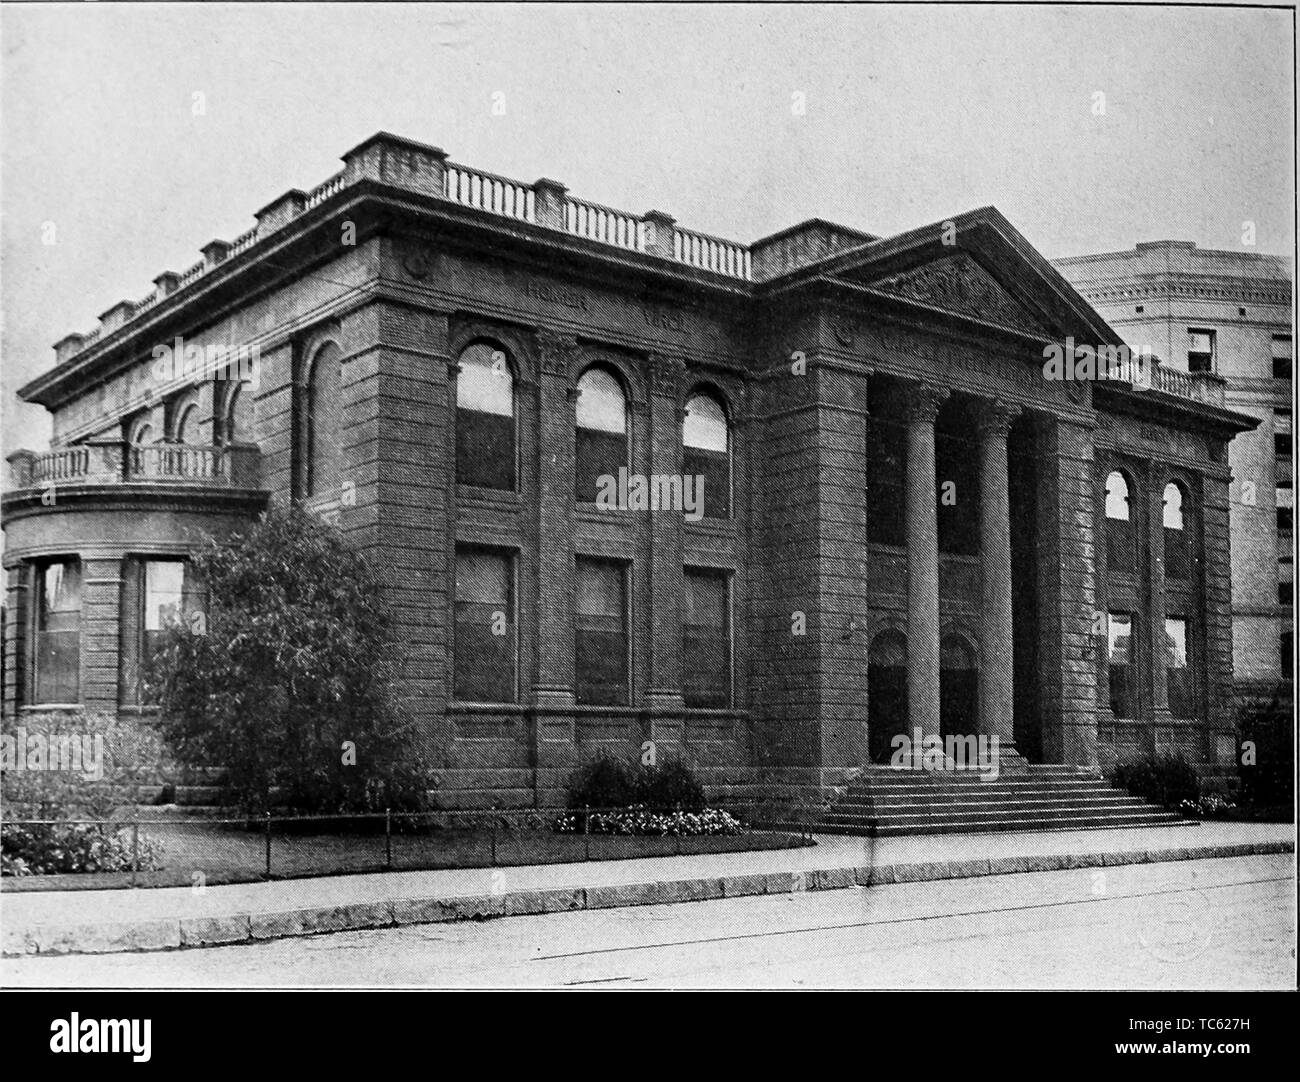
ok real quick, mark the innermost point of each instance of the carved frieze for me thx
(960, 284)
(558, 352)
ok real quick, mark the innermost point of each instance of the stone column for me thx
(996, 681)
(552, 694)
(923, 405)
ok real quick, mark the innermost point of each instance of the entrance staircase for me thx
(1027, 797)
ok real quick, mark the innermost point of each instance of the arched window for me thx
(324, 430)
(1177, 548)
(958, 688)
(886, 692)
(485, 418)
(234, 422)
(602, 444)
(1119, 524)
(141, 431)
(706, 452)
(187, 424)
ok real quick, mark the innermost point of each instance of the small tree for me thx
(286, 684)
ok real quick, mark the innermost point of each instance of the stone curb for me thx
(188, 932)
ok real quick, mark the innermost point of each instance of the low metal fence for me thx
(196, 850)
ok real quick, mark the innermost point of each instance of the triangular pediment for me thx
(959, 283)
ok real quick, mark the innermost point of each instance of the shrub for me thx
(1269, 781)
(669, 786)
(287, 685)
(605, 782)
(1167, 780)
(602, 782)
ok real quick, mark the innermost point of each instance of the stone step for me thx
(991, 815)
(903, 808)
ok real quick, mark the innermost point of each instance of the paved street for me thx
(1224, 923)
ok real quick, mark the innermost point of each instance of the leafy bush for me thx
(1268, 781)
(49, 849)
(287, 686)
(1167, 780)
(605, 782)
(639, 820)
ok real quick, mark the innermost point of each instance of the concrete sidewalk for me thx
(77, 922)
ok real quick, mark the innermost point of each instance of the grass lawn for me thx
(234, 854)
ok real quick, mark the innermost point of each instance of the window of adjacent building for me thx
(1283, 365)
(58, 632)
(1200, 350)
(706, 640)
(485, 418)
(1284, 593)
(706, 452)
(1285, 519)
(1119, 524)
(602, 444)
(1286, 651)
(1177, 562)
(1121, 664)
(486, 646)
(1178, 678)
(324, 421)
(602, 655)
(886, 497)
(1282, 444)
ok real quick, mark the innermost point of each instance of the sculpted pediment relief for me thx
(958, 283)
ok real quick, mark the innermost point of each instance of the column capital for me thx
(995, 417)
(923, 401)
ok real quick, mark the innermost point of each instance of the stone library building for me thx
(849, 499)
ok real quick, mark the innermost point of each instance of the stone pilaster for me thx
(664, 688)
(552, 691)
(1069, 655)
(101, 591)
(923, 405)
(997, 680)
(1152, 546)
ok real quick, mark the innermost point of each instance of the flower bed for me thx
(639, 820)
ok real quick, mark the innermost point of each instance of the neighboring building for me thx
(1227, 314)
(904, 523)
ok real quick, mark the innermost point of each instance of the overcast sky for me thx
(911, 114)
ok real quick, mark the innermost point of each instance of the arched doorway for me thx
(886, 692)
(958, 688)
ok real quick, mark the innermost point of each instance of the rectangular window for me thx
(599, 454)
(1200, 350)
(486, 644)
(706, 641)
(1285, 519)
(1283, 365)
(1282, 444)
(58, 632)
(1178, 675)
(1284, 593)
(1120, 661)
(157, 595)
(602, 659)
